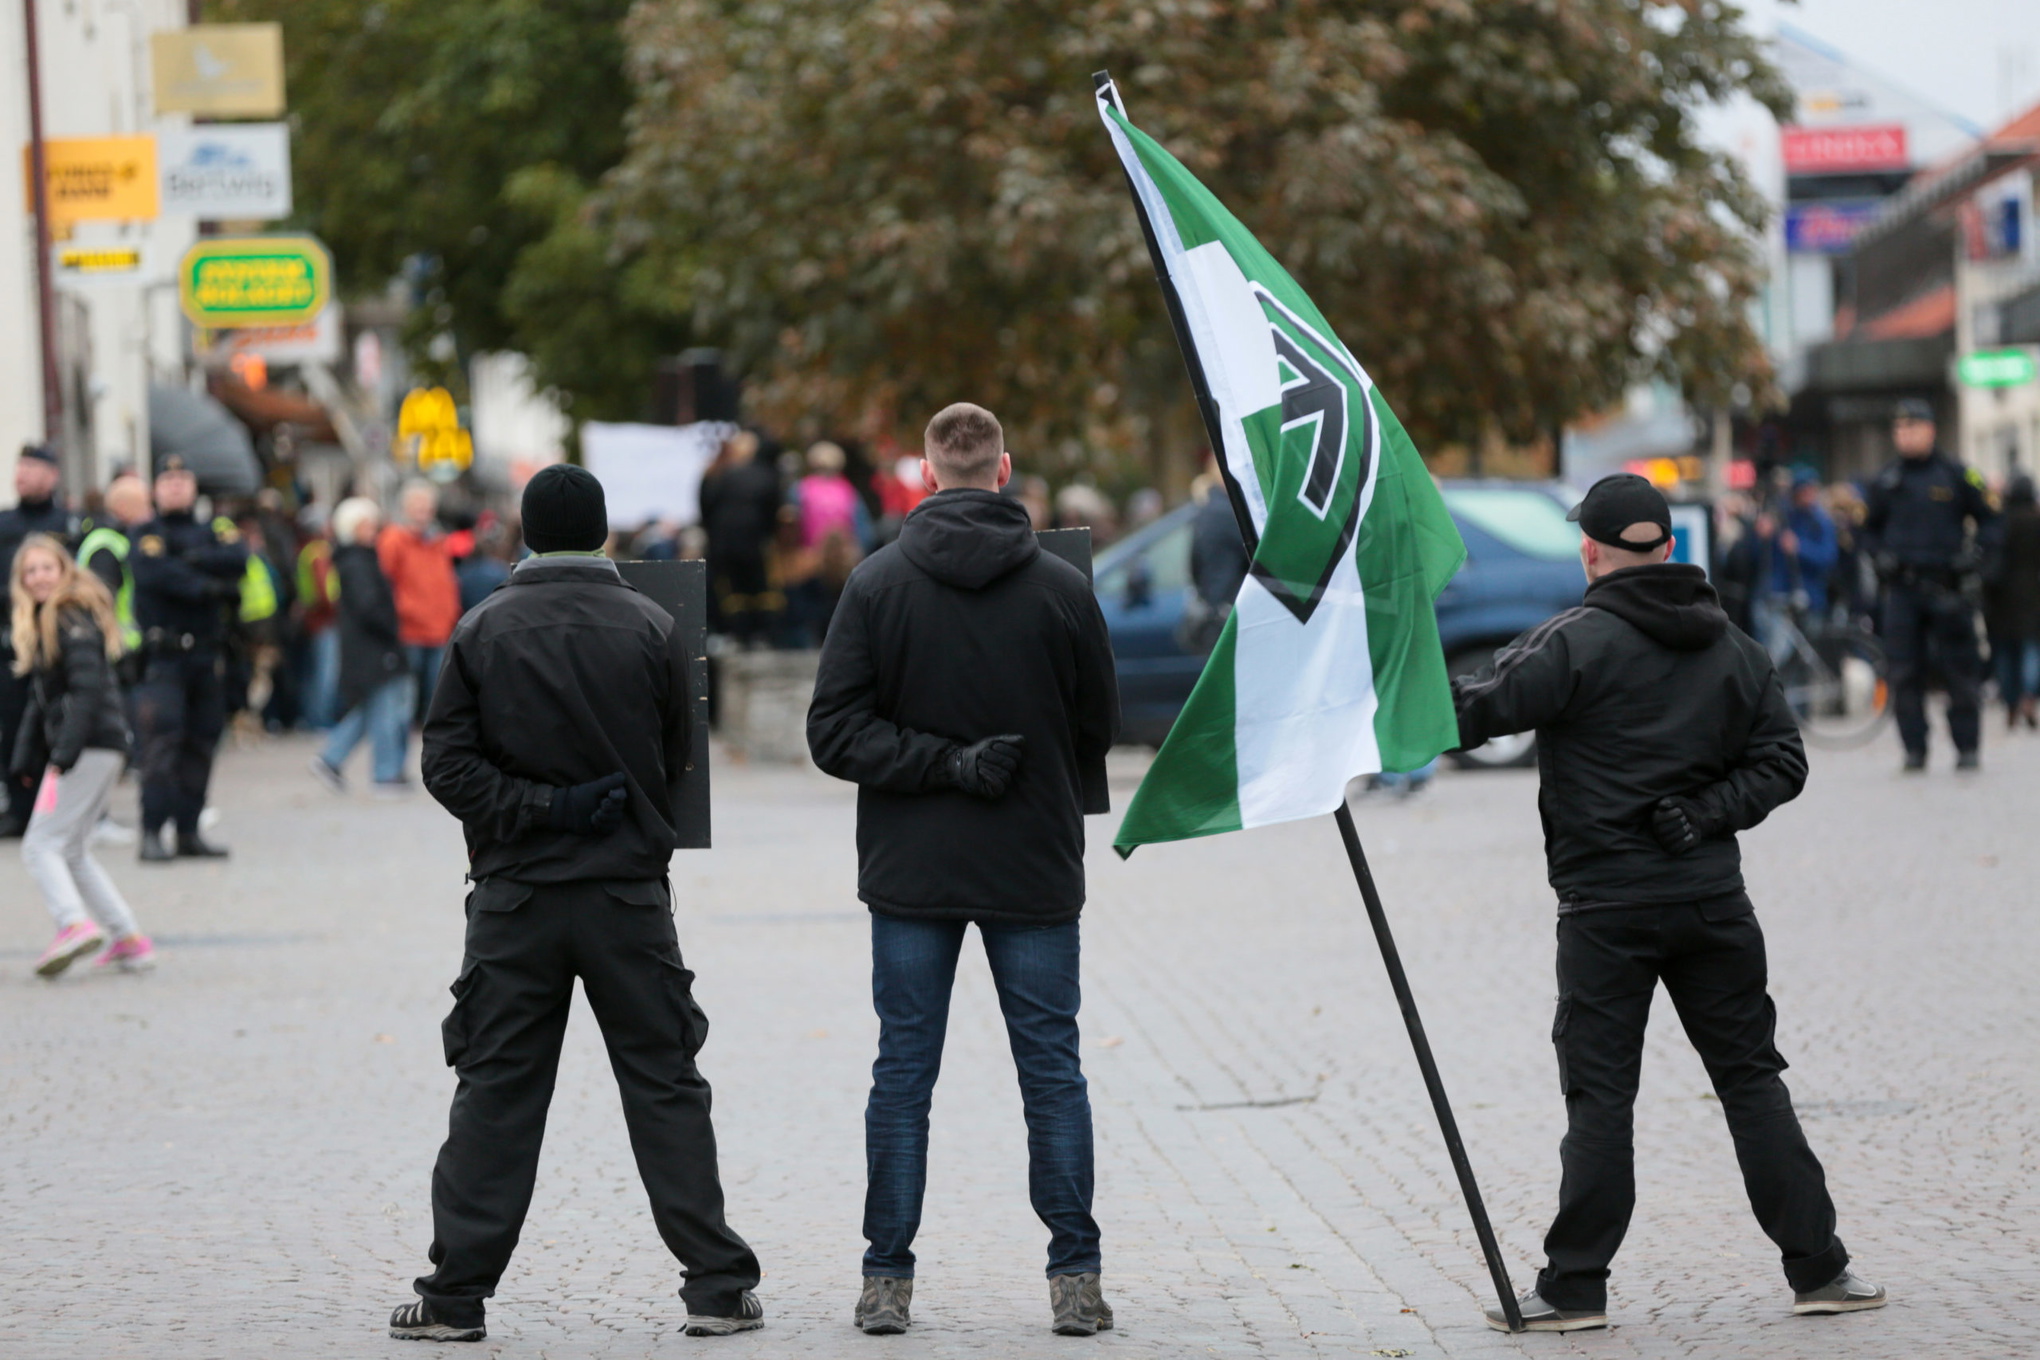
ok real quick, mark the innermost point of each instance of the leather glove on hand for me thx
(1679, 825)
(591, 809)
(984, 769)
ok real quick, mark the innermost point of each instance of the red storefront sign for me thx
(1845, 150)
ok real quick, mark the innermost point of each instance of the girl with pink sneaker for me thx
(66, 638)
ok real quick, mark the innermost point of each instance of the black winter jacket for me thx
(370, 653)
(74, 704)
(561, 676)
(962, 630)
(1643, 692)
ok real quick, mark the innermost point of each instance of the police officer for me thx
(1917, 526)
(558, 734)
(39, 509)
(108, 546)
(1662, 731)
(187, 581)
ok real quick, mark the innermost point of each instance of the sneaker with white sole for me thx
(1539, 1316)
(72, 943)
(883, 1305)
(327, 773)
(415, 1321)
(749, 1317)
(1845, 1293)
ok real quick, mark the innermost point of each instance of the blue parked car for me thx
(1522, 567)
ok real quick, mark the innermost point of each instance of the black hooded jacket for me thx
(1643, 692)
(964, 629)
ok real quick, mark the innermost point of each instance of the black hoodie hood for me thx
(1669, 602)
(969, 538)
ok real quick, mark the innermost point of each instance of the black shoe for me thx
(415, 1322)
(196, 846)
(1968, 760)
(153, 850)
(1539, 1316)
(1915, 762)
(749, 1317)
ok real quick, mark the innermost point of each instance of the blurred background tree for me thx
(452, 144)
(1503, 205)
(879, 206)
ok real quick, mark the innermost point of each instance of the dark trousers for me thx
(526, 943)
(180, 710)
(1034, 968)
(1710, 956)
(1929, 627)
(14, 689)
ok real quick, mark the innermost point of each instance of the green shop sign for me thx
(254, 281)
(1997, 368)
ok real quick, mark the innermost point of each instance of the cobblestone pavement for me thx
(230, 1157)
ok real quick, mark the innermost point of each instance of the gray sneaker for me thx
(1845, 1293)
(1079, 1304)
(749, 1317)
(1539, 1316)
(882, 1306)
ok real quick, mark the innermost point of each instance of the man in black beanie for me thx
(558, 735)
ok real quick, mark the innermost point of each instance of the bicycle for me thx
(1836, 678)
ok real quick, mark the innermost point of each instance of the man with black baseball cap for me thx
(1661, 733)
(558, 734)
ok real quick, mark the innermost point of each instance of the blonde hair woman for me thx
(66, 639)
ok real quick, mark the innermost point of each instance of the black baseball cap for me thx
(40, 453)
(1912, 408)
(1617, 502)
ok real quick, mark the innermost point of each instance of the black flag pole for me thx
(1348, 832)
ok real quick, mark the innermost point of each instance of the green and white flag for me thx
(1329, 666)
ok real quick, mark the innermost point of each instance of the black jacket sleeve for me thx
(457, 768)
(191, 576)
(846, 735)
(1770, 771)
(107, 568)
(88, 679)
(1528, 685)
(365, 596)
(1097, 703)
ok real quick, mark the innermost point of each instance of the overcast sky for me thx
(1979, 59)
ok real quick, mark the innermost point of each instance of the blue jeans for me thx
(2018, 670)
(424, 663)
(384, 717)
(322, 678)
(913, 967)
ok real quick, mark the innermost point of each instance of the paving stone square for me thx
(230, 1157)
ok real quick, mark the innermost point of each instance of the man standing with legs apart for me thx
(1661, 733)
(967, 688)
(558, 735)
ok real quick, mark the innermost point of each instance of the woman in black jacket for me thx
(375, 685)
(75, 735)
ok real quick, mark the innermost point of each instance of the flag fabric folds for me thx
(1329, 665)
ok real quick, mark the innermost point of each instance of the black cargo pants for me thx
(1933, 627)
(1710, 956)
(180, 711)
(526, 943)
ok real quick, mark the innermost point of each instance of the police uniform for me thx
(1917, 526)
(49, 517)
(187, 577)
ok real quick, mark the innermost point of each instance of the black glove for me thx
(984, 769)
(1679, 825)
(591, 809)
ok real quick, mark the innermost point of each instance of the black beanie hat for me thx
(564, 511)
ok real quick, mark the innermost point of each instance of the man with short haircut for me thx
(967, 688)
(1661, 733)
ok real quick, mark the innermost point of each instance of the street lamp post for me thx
(46, 298)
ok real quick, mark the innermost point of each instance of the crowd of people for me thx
(140, 629)
(1918, 554)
